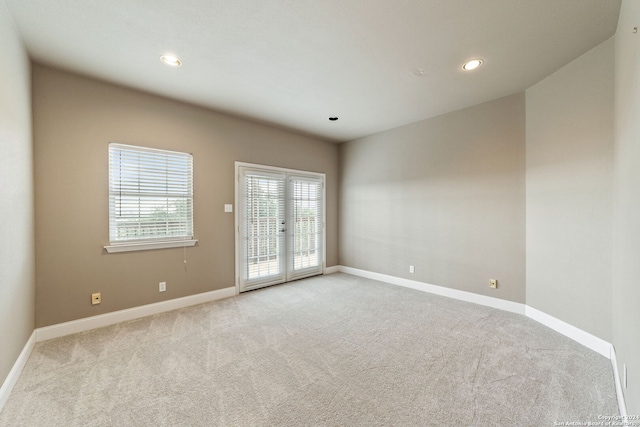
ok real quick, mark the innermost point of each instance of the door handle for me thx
(283, 230)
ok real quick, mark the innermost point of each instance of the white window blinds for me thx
(150, 194)
(264, 224)
(306, 213)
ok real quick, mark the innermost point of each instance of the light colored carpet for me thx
(333, 350)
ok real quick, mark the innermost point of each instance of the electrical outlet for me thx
(412, 269)
(96, 298)
(493, 283)
(162, 286)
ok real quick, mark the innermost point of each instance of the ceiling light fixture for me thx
(171, 60)
(472, 65)
(333, 118)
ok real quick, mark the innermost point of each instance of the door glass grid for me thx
(264, 218)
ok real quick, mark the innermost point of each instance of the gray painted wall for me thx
(570, 192)
(626, 248)
(74, 120)
(17, 280)
(445, 195)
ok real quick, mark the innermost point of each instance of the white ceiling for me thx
(294, 63)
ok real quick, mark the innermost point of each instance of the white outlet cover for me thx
(228, 208)
(162, 286)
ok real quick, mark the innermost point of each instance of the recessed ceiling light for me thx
(171, 60)
(472, 65)
(333, 118)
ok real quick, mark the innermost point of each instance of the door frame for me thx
(266, 168)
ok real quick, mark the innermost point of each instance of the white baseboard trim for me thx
(498, 303)
(80, 325)
(332, 269)
(586, 339)
(15, 371)
(622, 407)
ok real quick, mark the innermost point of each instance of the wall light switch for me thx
(228, 208)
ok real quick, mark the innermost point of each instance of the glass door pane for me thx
(306, 226)
(262, 229)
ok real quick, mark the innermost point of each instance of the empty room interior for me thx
(361, 212)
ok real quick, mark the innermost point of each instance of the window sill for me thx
(147, 246)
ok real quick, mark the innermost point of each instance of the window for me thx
(150, 198)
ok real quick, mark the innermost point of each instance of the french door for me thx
(280, 225)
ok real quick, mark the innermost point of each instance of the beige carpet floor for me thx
(333, 350)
